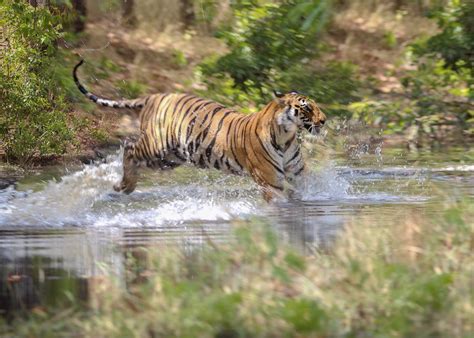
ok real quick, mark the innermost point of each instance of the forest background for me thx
(404, 67)
(400, 69)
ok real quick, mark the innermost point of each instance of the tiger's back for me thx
(178, 128)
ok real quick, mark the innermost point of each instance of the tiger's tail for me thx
(132, 104)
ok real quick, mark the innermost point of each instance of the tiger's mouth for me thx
(313, 128)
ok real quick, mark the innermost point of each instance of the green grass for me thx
(412, 280)
(130, 89)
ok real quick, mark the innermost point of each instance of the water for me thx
(59, 228)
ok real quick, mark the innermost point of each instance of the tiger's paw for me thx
(294, 195)
(122, 187)
(128, 144)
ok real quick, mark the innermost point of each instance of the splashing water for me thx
(61, 202)
(86, 199)
(325, 184)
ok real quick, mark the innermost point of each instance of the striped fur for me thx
(179, 128)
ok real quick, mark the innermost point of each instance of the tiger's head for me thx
(299, 111)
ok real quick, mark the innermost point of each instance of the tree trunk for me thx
(398, 4)
(80, 11)
(187, 13)
(128, 13)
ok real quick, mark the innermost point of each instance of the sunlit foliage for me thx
(32, 109)
(270, 46)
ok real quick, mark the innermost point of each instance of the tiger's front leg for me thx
(271, 182)
(296, 184)
(130, 170)
(295, 172)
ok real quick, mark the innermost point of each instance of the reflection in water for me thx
(308, 224)
(53, 267)
(58, 239)
(31, 282)
(43, 267)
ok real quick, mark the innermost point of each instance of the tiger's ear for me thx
(278, 94)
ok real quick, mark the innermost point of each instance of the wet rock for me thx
(89, 156)
(5, 182)
(97, 154)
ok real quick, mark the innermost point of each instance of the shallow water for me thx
(59, 228)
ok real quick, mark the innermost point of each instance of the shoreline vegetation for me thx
(408, 75)
(412, 279)
(401, 71)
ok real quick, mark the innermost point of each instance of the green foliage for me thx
(32, 118)
(305, 315)
(110, 6)
(438, 93)
(179, 58)
(104, 67)
(261, 40)
(270, 45)
(455, 43)
(100, 135)
(130, 89)
(433, 96)
(275, 45)
(334, 85)
(390, 39)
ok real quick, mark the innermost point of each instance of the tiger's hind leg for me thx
(138, 154)
(130, 170)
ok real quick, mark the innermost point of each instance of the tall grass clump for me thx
(410, 280)
(32, 106)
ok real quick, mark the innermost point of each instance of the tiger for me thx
(178, 128)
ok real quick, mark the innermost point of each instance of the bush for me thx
(438, 94)
(130, 88)
(333, 84)
(270, 45)
(264, 38)
(455, 43)
(433, 96)
(32, 118)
